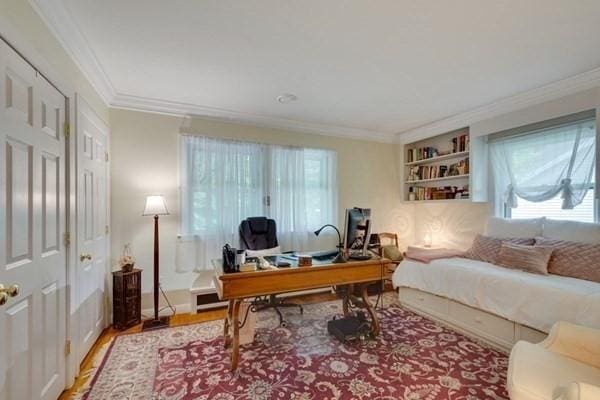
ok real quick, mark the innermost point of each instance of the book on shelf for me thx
(419, 193)
(458, 144)
(421, 153)
(421, 172)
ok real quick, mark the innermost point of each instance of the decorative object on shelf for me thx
(340, 256)
(127, 261)
(127, 298)
(155, 206)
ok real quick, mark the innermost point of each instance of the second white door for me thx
(92, 226)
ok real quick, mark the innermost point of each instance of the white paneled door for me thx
(32, 223)
(92, 225)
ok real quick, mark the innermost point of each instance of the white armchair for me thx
(565, 366)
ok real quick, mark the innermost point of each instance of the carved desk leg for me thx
(227, 324)
(235, 352)
(346, 299)
(370, 309)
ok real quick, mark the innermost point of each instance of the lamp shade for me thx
(155, 205)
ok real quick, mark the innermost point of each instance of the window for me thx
(584, 212)
(224, 182)
(546, 169)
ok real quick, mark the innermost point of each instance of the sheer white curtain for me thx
(303, 196)
(540, 165)
(287, 196)
(222, 183)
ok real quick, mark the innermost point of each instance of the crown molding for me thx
(61, 24)
(552, 91)
(136, 103)
(65, 30)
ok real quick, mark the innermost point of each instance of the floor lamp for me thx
(155, 206)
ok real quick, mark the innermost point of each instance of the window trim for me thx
(553, 123)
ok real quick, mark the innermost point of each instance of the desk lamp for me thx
(340, 255)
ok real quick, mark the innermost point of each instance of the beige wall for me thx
(144, 160)
(25, 30)
(451, 225)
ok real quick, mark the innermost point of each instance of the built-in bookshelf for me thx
(438, 168)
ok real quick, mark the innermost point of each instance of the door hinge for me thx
(67, 239)
(106, 156)
(267, 201)
(67, 130)
(106, 229)
(67, 348)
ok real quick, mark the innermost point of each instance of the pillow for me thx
(487, 248)
(514, 228)
(532, 259)
(392, 252)
(266, 252)
(573, 259)
(572, 231)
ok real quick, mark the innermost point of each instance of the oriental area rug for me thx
(412, 359)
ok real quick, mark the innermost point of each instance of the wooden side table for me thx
(127, 298)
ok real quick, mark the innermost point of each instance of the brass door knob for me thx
(3, 298)
(85, 256)
(6, 292)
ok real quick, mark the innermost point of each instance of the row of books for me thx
(427, 172)
(460, 143)
(438, 193)
(422, 153)
(418, 173)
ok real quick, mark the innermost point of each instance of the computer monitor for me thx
(357, 231)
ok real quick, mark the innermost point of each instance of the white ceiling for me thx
(362, 68)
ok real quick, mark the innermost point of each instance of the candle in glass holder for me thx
(427, 239)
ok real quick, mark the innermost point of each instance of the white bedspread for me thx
(529, 299)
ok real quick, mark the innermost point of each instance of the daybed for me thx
(500, 305)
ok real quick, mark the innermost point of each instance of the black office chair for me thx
(260, 233)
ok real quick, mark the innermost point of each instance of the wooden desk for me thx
(235, 287)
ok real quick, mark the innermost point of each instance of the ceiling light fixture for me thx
(286, 98)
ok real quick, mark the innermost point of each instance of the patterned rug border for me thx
(96, 371)
(104, 352)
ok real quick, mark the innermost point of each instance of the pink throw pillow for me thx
(573, 259)
(486, 248)
(532, 259)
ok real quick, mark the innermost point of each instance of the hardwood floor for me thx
(176, 320)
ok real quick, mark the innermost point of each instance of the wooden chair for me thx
(383, 239)
(393, 238)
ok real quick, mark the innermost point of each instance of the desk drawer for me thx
(500, 329)
(431, 303)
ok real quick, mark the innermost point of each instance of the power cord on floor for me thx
(169, 305)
